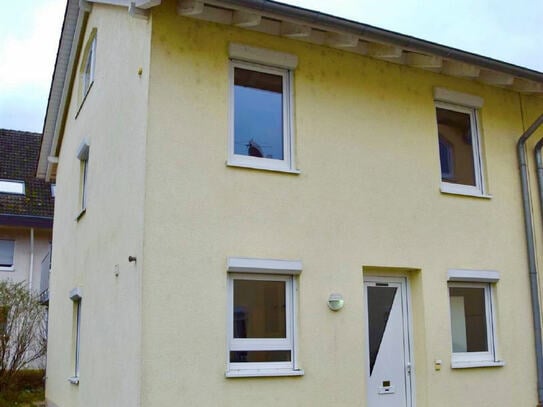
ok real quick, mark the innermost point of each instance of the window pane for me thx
(260, 356)
(258, 114)
(468, 319)
(457, 163)
(6, 253)
(259, 309)
(12, 187)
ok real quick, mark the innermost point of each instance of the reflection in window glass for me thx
(455, 138)
(258, 114)
(468, 319)
(259, 309)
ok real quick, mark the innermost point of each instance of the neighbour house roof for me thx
(18, 158)
(288, 21)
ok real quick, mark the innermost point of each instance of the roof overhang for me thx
(282, 20)
(39, 222)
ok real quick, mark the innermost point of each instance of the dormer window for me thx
(12, 187)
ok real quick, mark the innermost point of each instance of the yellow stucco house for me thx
(262, 205)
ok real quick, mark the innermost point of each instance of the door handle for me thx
(408, 368)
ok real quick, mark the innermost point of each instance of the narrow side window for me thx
(75, 296)
(86, 72)
(83, 156)
(7, 250)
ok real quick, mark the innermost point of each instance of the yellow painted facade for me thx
(367, 201)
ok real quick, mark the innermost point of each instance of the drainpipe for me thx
(31, 270)
(539, 163)
(528, 227)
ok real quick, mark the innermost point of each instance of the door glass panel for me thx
(380, 300)
(259, 309)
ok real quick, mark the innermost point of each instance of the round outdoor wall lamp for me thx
(335, 302)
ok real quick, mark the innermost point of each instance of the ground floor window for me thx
(261, 321)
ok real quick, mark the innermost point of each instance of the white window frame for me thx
(75, 296)
(264, 270)
(470, 104)
(12, 267)
(275, 63)
(83, 157)
(479, 188)
(450, 156)
(87, 79)
(477, 279)
(9, 186)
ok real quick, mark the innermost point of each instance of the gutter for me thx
(60, 85)
(38, 222)
(528, 227)
(31, 268)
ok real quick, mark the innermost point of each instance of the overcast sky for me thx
(500, 29)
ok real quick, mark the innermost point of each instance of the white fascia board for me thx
(479, 276)
(263, 56)
(267, 266)
(458, 98)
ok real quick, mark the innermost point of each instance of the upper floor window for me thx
(261, 106)
(12, 187)
(459, 145)
(7, 249)
(87, 67)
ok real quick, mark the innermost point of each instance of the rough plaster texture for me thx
(112, 119)
(368, 195)
(367, 201)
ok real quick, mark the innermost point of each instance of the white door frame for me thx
(408, 328)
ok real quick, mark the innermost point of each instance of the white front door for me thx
(389, 375)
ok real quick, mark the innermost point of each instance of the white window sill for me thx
(74, 380)
(262, 168)
(463, 190)
(83, 100)
(4, 268)
(83, 211)
(478, 363)
(263, 373)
